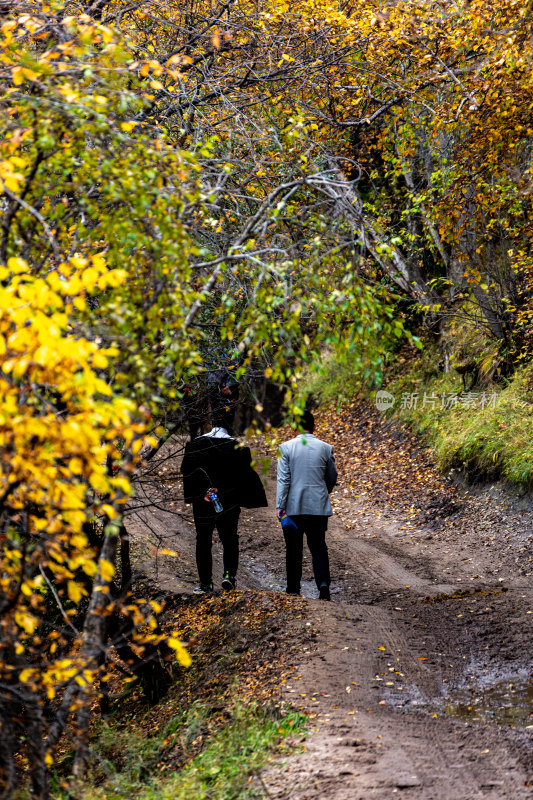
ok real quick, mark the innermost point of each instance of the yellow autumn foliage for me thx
(58, 425)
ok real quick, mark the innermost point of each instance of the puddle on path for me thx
(267, 580)
(507, 702)
(275, 583)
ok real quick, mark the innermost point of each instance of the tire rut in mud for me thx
(382, 676)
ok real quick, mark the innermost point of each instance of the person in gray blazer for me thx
(306, 476)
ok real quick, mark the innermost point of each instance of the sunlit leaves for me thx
(58, 427)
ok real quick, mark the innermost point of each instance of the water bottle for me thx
(217, 505)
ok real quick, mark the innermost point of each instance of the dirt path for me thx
(389, 653)
(406, 674)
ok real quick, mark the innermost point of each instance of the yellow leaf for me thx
(75, 465)
(78, 261)
(18, 75)
(75, 591)
(90, 567)
(17, 265)
(13, 181)
(98, 259)
(109, 511)
(99, 361)
(98, 482)
(107, 570)
(181, 653)
(113, 278)
(89, 277)
(26, 621)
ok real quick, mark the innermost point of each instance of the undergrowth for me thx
(487, 439)
(219, 721)
(135, 764)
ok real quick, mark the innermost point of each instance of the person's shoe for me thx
(204, 588)
(323, 592)
(292, 591)
(228, 582)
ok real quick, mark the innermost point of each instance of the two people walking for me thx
(216, 464)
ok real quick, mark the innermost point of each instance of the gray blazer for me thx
(306, 475)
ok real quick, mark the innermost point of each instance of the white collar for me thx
(218, 433)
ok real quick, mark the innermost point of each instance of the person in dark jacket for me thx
(216, 462)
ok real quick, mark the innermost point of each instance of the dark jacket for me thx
(224, 464)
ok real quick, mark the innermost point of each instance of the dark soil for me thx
(426, 606)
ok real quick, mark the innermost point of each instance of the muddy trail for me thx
(416, 677)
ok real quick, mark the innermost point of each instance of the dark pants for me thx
(205, 521)
(315, 528)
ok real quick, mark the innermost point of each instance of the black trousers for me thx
(226, 523)
(315, 528)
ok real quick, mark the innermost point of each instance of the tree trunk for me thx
(125, 560)
(91, 652)
(93, 646)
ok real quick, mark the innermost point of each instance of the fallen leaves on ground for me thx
(383, 466)
(242, 646)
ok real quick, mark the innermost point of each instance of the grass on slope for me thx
(226, 768)
(492, 438)
(487, 435)
(221, 719)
